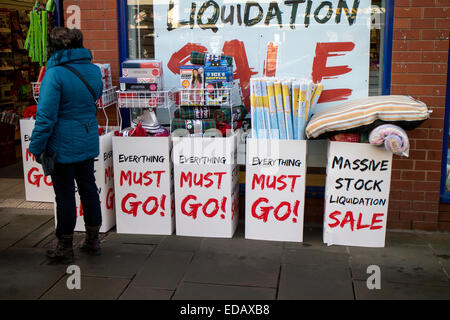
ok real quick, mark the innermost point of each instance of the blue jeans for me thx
(64, 185)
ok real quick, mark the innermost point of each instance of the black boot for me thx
(63, 253)
(92, 243)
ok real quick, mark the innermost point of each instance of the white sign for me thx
(143, 185)
(327, 41)
(275, 189)
(357, 194)
(206, 178)
(37, 186)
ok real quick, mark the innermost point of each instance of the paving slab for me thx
(22, 275)
(145, 293)
(328, 282)
(19, 227)
(315, 258)
(38, 235)
(164, 269)
(313, 239)
(407, 263)
(5, 217)
(203, 291)
(397, 291)
(439, 242)
(116, 260)
(113, 237)
(92, 288)
(181, 243)
(216, 268)
(240, 247)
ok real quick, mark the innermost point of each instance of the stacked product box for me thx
(138, 78)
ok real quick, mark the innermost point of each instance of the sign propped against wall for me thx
(357, 194)
(328, 41)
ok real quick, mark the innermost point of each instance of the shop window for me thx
(445, 171)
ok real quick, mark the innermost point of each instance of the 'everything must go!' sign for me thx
(328, 41)
(357, 194)
(275, 189)
(143, 185)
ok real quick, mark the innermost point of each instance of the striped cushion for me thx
(366, 112)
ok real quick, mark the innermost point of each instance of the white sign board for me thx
(357, 194)
(275, 189)
(206, 178)
(143, 185)
(328, 41)
(37, 186)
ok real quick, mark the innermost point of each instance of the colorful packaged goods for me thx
(218, 85)
(192, 81)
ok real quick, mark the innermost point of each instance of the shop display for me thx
(367, 113)
(281, 108)
(206, 104)
(392, 137)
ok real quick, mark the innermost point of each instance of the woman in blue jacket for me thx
(66, 125)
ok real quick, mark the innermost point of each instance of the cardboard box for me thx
(275, 189)
(357, 194)
(206, 186)
(143, 185)
(37, 186)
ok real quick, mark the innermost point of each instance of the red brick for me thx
(411, 215)
(402, 225)
(402, 23)
(413, 195)
(421, 3)
(444, 226)
(432, 196)
(436, 13)
(433, 101)
(407, 34)
(435, 34)
(400, 45)
(422, 23)
(420, 45)
(403, 3)
(433, 176)
(399, 204)
(407, 12)
(397, 89)
(442, 3)
(427, 165)
(94, 44)
(417, 154)
(438, 91)
(440, 68)
(437, 133)
(426, 185)
(428, 145)
(424, 225)
(405, 78)
(430, 216)
(403, 163)
(105, 54)
(442, 23)
(413, 175)
(93, 25)
(89, 4)
(418, 133)
(419, 90)
(444, 216)
(398, 185)
(434, 56)
(431, 207)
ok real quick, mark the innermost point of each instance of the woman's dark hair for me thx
(61, 38)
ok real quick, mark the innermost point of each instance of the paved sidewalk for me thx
(413, 265)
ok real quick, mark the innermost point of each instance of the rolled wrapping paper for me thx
(262, 132)
(393, 137)
(266, 104)
(287, 110)
(253, 116)
(302, 111)
(295, 108)
(280, 110)
(274, 130)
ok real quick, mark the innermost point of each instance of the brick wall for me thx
(99, 25)
(419, 69)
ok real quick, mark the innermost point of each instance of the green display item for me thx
(224, 114)
(193, 126)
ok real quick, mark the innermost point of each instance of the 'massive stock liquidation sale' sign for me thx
(327, 41)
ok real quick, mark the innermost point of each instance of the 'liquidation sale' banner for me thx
(327, 41)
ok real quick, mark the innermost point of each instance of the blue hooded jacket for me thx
(66, 119)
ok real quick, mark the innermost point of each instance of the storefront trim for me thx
(387, 52)
(445, 196)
